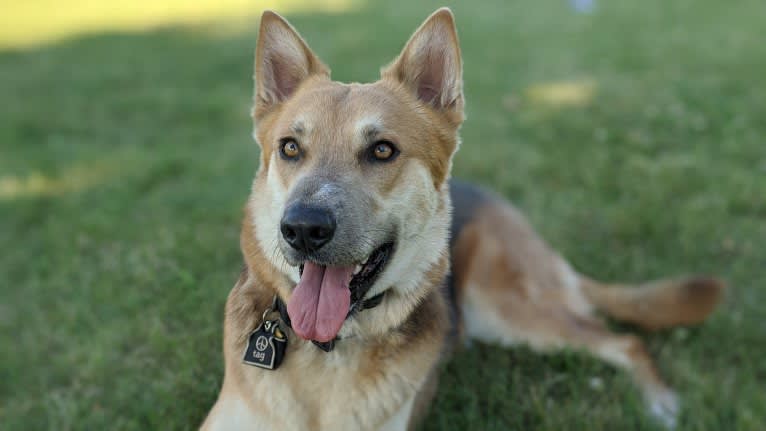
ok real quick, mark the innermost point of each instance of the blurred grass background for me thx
(632, 136)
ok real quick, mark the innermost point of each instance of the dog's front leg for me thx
(230, 413)
(400, 419)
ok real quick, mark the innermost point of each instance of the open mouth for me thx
(327, 294)
(366, 272)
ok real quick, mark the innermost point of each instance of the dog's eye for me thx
(290, 149)
(384, 151)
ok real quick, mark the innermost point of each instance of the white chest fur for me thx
(314, 390)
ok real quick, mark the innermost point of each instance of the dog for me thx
(364, 261)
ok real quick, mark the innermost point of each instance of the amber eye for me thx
(384, 151)
(290, 149)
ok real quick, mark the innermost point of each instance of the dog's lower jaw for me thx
(417, 268)
(399, 303)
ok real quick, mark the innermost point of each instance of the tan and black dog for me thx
(363, 261)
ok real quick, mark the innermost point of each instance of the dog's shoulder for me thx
(466, 200)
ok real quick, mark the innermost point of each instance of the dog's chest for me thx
(347, 388)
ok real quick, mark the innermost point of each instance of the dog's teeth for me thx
(365, 260)
(357, 269)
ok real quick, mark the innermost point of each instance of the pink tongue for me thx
(320, 301)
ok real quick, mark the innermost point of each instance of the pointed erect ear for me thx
(430, 63)
(282, 62)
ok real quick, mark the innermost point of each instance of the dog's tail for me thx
(657, 304)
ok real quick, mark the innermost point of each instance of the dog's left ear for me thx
(283, 61)
(430, 64)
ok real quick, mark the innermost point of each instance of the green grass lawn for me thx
(634, 138)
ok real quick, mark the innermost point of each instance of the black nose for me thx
(307, 228)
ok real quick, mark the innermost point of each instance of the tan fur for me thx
(659, 304)
(511, 287)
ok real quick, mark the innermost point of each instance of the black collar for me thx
(355, 308)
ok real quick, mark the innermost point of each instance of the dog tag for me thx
(266, 346)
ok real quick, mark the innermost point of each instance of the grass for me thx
(632, 137)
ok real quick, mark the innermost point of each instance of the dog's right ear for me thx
(282, 62)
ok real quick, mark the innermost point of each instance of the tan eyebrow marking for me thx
(369, 127)
(298, 128)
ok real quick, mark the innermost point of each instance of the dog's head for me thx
(351, 196)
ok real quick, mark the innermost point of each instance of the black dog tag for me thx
(266, 346)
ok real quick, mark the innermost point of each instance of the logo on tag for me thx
(261, 343)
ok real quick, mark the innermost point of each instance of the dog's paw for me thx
(664, 406)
